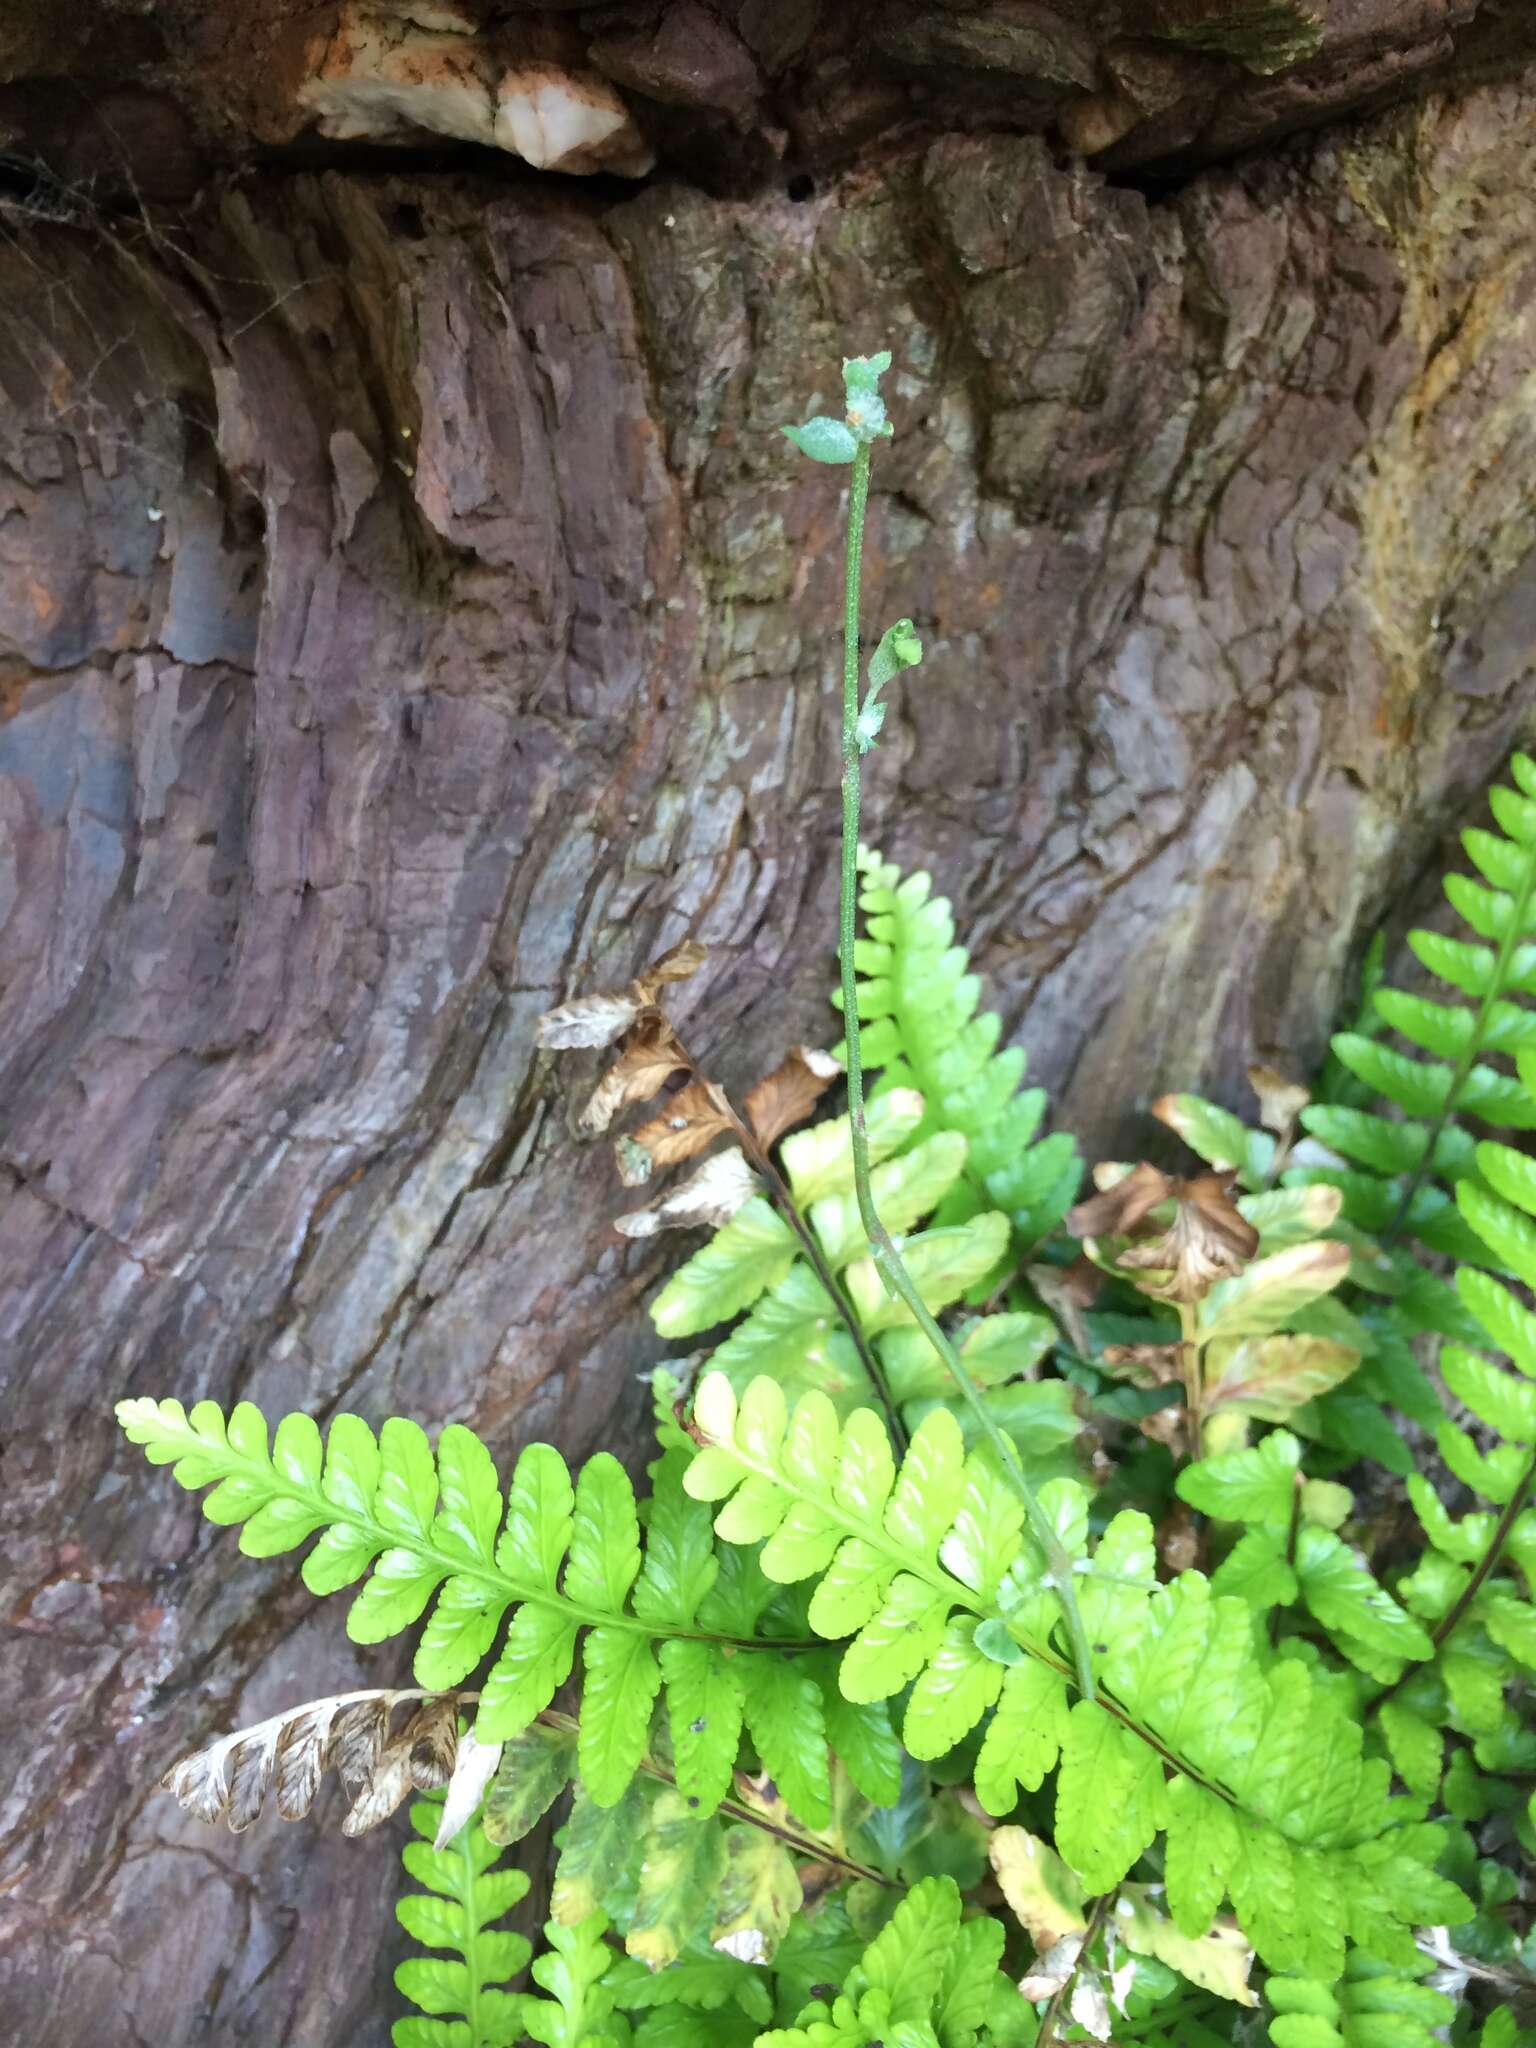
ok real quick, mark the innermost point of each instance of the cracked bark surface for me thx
(409, 617)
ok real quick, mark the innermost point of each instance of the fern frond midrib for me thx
(457, 1564)
(471, 1935)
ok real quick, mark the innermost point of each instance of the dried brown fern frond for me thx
(352, 1733)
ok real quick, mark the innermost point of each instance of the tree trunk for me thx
(410, 616)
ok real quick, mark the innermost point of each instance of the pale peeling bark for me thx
(409, 618)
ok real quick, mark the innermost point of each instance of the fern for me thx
(793, 1329)
(1280, 1779)
(925, 1568)
(918, 1001)
(790, 1324)
(1473, 1587)
(574, 1971)
(464, 1892)
(674, 1880)
(1455, 1633)
(796, 1333)
(1259, 1334)
(565, 1562)
(1290, 1559)
(670, 1872)
(1369, 2007)
(951, 1140)
(928, 1976)
(1386, 1303)
(1398, 1174)
(1457, 1079)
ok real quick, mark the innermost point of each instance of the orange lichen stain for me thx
(336, 1189)
(990, 594)
(14, 683)
(44, 603)
(1394, 723)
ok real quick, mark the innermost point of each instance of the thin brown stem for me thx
(810, 1845)
(779, 1189)
(1063, 1991)
(1189, 1355)
(1282, 1152)
(999, 1294)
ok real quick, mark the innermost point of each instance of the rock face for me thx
(733, 91)
(410, 616)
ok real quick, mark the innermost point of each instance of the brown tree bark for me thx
(409, 616)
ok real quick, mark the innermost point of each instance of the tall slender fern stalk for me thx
(852, 440)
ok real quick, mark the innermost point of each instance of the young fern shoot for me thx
(851, 441)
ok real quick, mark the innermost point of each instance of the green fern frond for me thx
(1370, 2006)
(927, 1977)
(1473, 1588)
(1456, 1079)
(925, 1569)
(1289, 1560)
(464, 1893)
(1001, 1353)
(918, 1002)
(752, 1254)
(793, 1330)
(564, 1562)
(575, 1971)
(1455, 1633)
(1399, 1173)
